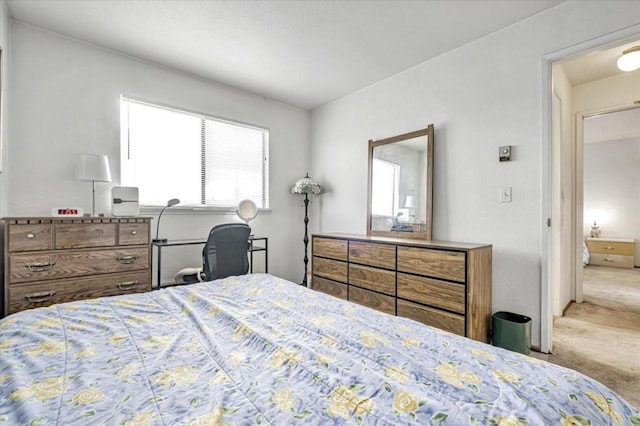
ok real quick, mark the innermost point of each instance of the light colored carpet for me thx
(599, 341)
(613, 288)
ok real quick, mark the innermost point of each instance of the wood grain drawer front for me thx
(441, 294)
(431, 316)
(76, 235)
(52, 265)
(381, 255)
(611, 247)
(332, 288)
(30, 237)
(41, 294)
(332, 269)
(611, 260)
(130, 234)
(373, 279)
(329, 247)
(445, 264)
(373, 300)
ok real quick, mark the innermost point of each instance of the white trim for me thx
(190, 210)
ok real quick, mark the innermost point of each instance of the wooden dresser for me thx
(441, 284)
(618, 252)
(55, 260)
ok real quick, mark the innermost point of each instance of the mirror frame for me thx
(427, 235)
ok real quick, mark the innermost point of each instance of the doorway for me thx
(578, 84)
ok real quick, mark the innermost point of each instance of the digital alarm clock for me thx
(66, 211)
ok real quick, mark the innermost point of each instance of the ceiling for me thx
(600, 63)
(304, 53)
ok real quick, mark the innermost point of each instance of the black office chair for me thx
(223, 255)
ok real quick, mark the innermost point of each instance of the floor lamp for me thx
(306, 186)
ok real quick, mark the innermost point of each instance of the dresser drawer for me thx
(39, 294)
(80, 235)
(611, 260)
(381, 255)
(610, 247)
(432, 317)
(332, 288)
(130, 234)
(445, 264)
(332, 269)
(30, 237)
(373, 279)
(373, 300)
(329, 247)
(52, 265)
(441, 294)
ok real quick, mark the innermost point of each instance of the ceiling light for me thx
(630, 59)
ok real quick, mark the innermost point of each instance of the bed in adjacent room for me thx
(257, 349)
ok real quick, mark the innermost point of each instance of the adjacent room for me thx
(312, 212)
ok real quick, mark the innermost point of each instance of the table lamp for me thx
(94, 168)
(172, 202)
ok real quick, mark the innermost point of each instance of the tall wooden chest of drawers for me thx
(618, 252)
(442, 284)
(55, 260)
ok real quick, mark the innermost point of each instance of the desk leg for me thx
(251, 256)
(266, 256)
(159, 265)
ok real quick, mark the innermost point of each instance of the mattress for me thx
(257, 349)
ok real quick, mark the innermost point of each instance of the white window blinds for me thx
(169, 153)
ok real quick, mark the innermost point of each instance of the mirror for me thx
(400, 201)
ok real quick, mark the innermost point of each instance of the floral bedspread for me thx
(260, 350)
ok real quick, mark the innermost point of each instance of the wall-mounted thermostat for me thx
(504, 153)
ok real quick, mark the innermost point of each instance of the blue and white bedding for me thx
(260, 350)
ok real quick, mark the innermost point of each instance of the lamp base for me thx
(159, 240)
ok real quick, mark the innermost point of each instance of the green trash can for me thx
(512, 331)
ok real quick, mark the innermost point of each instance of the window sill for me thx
(190, 210)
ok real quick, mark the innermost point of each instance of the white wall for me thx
(479, 97)
(611, 182)
(65, 101)
(4, 100)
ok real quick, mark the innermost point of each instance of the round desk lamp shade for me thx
(247, 210)
(306, 185)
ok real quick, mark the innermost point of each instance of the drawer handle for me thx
(609, 248)
(40, 297)
(40, 266)
(31, 236)
(608, 260)
(126, 259)
(134, 232)
(128, 285)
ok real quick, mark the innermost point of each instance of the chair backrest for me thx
(225, 252)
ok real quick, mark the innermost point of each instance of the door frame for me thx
(548, 250)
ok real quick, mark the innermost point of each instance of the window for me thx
(201, 160)
(384, 188)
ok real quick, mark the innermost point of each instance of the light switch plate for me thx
(505, 194)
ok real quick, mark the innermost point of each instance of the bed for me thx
(257, 349)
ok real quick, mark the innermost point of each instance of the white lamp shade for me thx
(630, 59)
(93, 167)
(410, 202)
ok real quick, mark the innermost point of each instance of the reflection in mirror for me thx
(400, 185)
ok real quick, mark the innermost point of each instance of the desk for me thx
(251, 249)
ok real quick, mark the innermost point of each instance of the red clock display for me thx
(68, 212)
